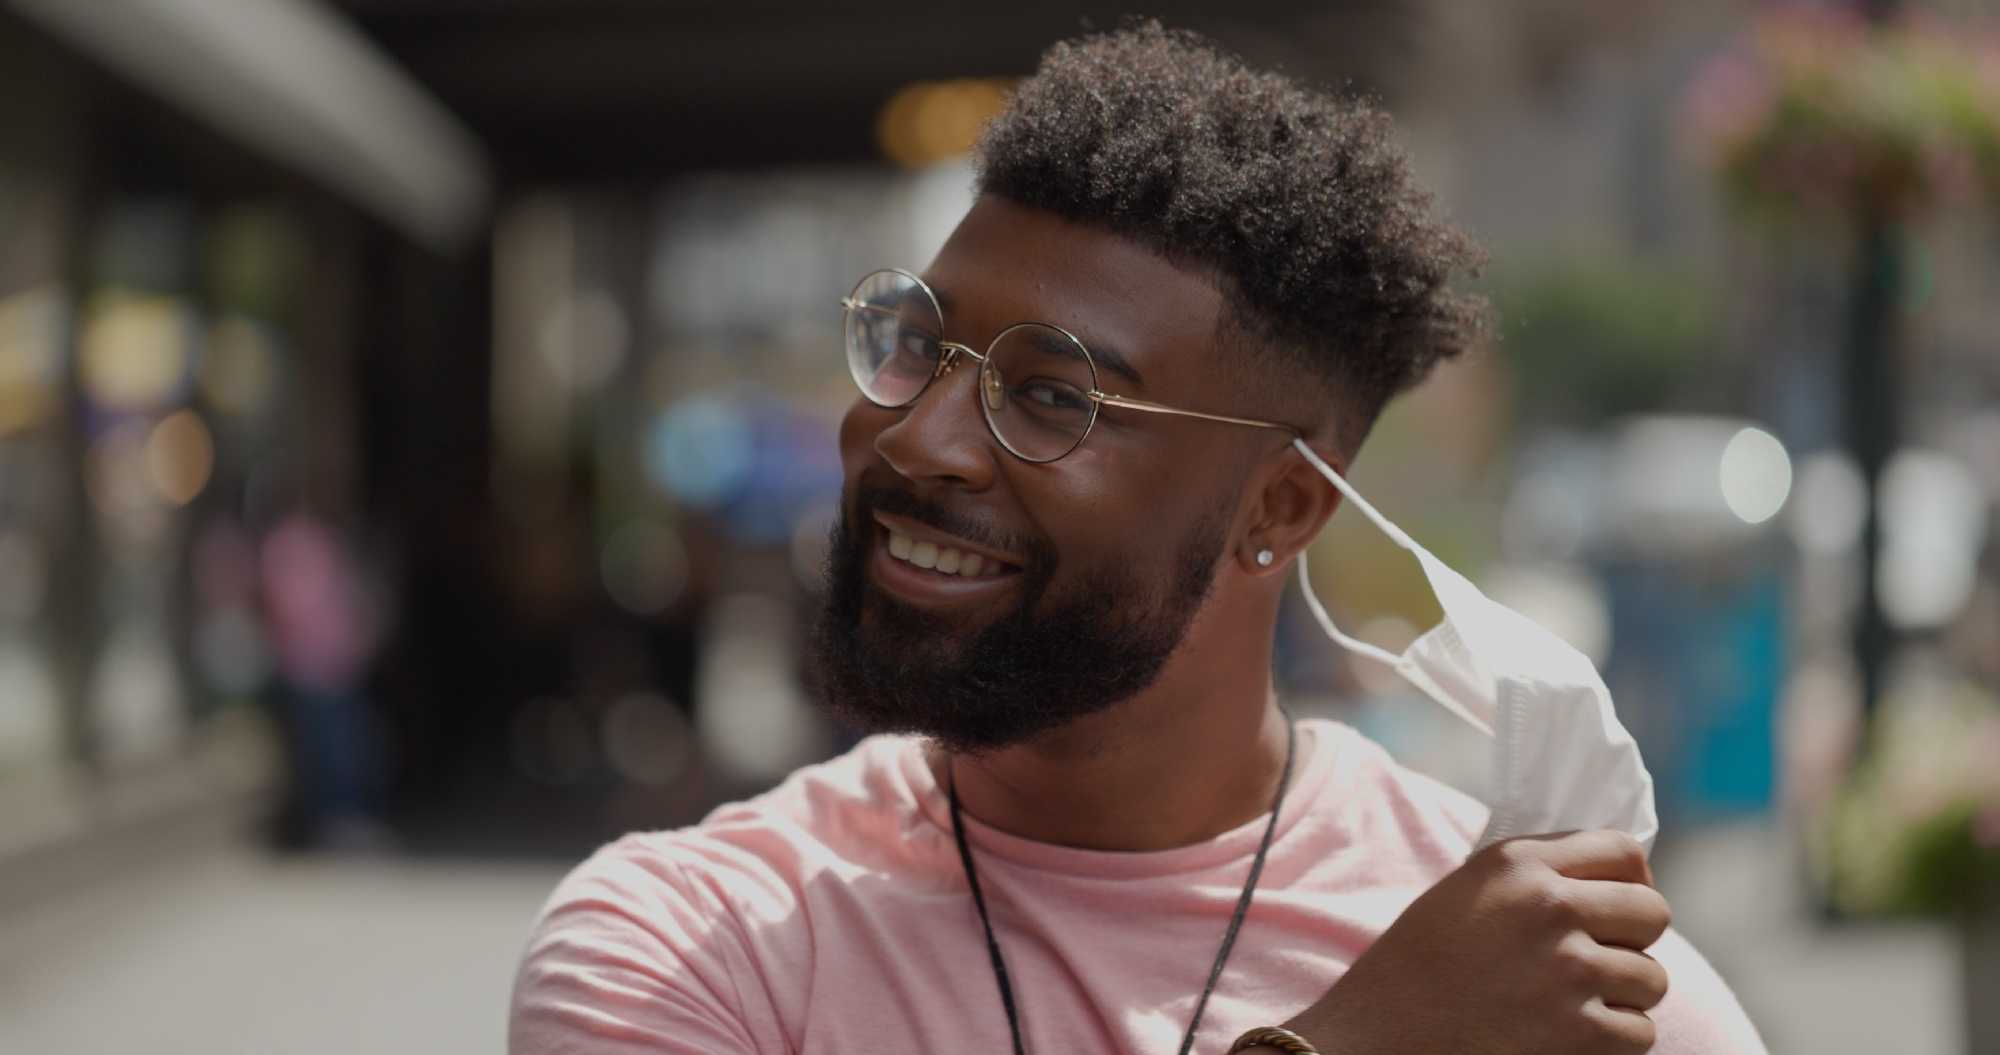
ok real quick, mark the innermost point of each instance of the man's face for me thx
(1091, 568)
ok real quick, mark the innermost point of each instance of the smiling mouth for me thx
(922, 566)
(941, 560)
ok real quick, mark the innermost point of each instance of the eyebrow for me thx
(1111, 358)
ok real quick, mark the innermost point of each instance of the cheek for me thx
(858, 428)
(1127, 507)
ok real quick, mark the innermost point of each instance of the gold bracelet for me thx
(1276, 1037)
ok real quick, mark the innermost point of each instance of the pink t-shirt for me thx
(831, 915)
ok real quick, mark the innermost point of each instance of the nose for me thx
(940, 438)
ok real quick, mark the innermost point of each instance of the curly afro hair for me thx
(1297, 201)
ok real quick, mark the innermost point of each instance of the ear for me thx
(1290, 503)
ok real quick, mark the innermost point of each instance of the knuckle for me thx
(1556, 902)
(1660, 914)
(1656, 982)
(1624, 849)
(1639, 1032)
(1574, 969)
(1510, 853)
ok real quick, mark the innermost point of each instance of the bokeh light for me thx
(238, 368)
(644, 567)
(1830, 503)
(1934, 515)
(134, 349)
(1756, 475)
(30, 324)
(584, 338)
(647, 739)
(180, 455)
(759, 724)
(135, 696)
(932, 121)
(700, 450)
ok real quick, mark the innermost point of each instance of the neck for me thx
(1196, 754)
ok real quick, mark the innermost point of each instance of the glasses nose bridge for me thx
(949, 351)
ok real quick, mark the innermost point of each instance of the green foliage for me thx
(1916, 829)
(1590, 339)
(1816, 112)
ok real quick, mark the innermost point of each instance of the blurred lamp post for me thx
(1873, 396)
(1860, 123)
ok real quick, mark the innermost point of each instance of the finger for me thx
(1620, 1029)
(1629, 915)
(1602, 854)
(1627, 979)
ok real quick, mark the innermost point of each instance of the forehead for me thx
(1008, 263)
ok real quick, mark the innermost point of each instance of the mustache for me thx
(871, 498)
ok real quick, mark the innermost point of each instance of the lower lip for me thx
(930, 589)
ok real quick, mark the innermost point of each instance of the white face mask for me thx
(1561, 760)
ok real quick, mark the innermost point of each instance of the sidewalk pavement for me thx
(236, 952)
(1812, 988)
(226, 950)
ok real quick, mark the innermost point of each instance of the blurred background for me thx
(416, 461)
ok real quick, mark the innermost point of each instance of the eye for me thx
(922, 346)
(1053, 395)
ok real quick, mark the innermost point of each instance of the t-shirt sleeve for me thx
(631, 956)
(1700, 1016)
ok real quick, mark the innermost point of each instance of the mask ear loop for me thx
(1395, 533)
(1352, 644)
(1355, 644)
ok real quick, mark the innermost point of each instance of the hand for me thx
(1533, 945)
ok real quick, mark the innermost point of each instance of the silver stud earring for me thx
(1264, 558)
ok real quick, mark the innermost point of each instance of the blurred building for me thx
(516, 312)
(420, 406)
(415, 422)
(241, 316)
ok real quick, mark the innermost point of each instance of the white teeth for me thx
(941, 559)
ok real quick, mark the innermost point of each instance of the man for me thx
(1070, 498)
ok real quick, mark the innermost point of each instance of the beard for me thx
(1056, 656)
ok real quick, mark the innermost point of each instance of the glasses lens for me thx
(893, 332)
(1035, 391)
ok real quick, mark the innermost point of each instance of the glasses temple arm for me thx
(1156, 408)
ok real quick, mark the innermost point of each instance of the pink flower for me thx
(1986, 828)
(1730, 99)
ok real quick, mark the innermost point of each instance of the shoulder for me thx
(749, 857)
(1700, 1015)
(669, 933)
(630, 954)
(1404, 816)
(1388, 803)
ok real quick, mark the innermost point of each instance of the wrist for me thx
(1273, 1040)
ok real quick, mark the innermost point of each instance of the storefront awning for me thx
(294, 81)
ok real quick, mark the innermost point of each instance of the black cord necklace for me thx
(1228, 937)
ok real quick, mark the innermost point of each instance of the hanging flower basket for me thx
(1916, 829)
(1816, 113)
